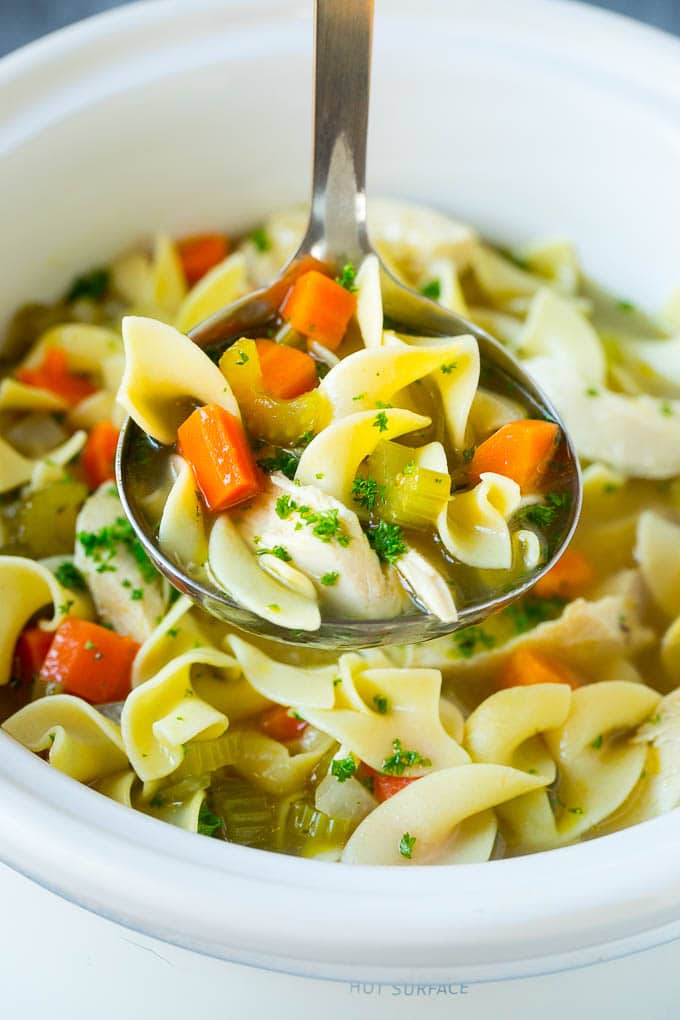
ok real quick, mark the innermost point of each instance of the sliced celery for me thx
(311, 833)
(247, 814)
(280, 422)
(411, 495)
(205, 756)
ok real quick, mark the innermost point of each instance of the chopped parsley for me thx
(208, 823)
(448, 368)
(65, 607)
(592, 391)
(468, 454)
(625, 306)
(279, 551)
(260, 239)
(367, 493)
(406, 845)
(101, 546)
(91, 285)
(470, 640)
(387, 541)
(432, 290)
(136, 594)
(347, 277)
(172, 631)
(68, 576)
(528, 613)
(665, 408)
(325, 524)
(543, 514)
(401, 759)
(343, 768)
(358, 396)
(380, 422)
(243, 358)
(282, 461)
(597, 743)
(381, 703)
(330, 579)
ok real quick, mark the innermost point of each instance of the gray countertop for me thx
(24, 20)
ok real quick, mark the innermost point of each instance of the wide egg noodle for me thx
(311, 687)
(16, 470)
(181, 531)
(221, 285)
(505, 728)
(412, 716)
(555, 328)
(18, 396)
(236, 569)
(442, 813)
(369, 311)
(164, 713)
(657, 552)
(474, 525)
(25, 588)
(78, 739)
(164, 371)
(332, 459)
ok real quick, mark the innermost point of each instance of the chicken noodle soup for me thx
(556, 720)
(327, 467)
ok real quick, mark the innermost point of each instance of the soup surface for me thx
(557, 720)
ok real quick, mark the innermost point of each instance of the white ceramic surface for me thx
(528, 119)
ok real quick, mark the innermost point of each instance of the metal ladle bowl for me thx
(337, 234)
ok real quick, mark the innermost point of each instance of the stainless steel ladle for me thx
(337, 234)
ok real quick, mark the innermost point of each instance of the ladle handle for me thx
(343, 36)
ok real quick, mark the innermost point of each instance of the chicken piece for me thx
(347, 575)
(428, 585)
(126, 590)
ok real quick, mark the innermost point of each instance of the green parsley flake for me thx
(68, 576)
(625, 306)
(260, 239)
(330, 579)
(358, 396)
(380, 422)
(325, 524)
(543, 514)
(665, 408)
(279, 551)
(388, 541)
(468, 454)
(401, 759)
(343, 768)
(448, 368)
(243, 358)
(208, 823)
(592, 391)
(347, 277)
(136, 594)
(273, 607)
(432, 290)
(406, 845)
(65, 607)
(367, 493)
(381, 703)
(282, 461)
(101, 546)
(470, 640)
(597, 743)
(528, 613)
(92, 285)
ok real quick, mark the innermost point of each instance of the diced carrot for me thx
(319, 308)
(282, 287)
(214, 443)
(29, 653)
(286, 371)
(520, 450)
(98, 454)
(526, 666)
(278, 724)
(54, 375)
(384, 786)
(90, 661)
(200, 253)
(569, 578)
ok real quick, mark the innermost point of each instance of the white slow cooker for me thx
(529, 119)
